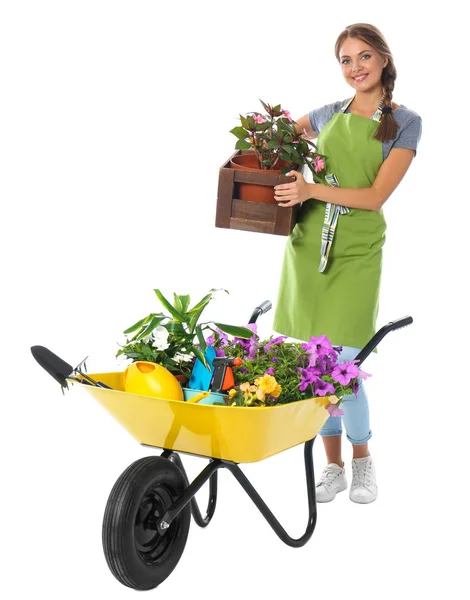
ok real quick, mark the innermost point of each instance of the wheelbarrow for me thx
(148, 512)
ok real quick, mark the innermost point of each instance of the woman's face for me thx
(358, 59)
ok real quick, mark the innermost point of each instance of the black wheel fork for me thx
(210, 472)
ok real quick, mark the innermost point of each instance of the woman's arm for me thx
(390, 174)
(304, 123)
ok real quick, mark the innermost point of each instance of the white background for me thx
(115, 121)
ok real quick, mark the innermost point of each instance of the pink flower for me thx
(334, 410)
(305, 131)
(259, 119)
(318, 164)
(287, 114)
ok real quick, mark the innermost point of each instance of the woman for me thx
(330, 277)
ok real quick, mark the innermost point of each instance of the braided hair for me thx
(369, 34)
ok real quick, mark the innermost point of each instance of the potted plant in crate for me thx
(268, 147)
(170, 339)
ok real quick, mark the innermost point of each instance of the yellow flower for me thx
(260, 394)
(277, 391)
(244, 386)
(232, 393)
(268, 384)
(253, 388)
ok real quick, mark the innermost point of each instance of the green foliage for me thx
(174, 340)
(276, 140)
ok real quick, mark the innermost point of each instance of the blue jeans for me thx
(356, 409)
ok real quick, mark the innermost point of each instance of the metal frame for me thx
(210, 473)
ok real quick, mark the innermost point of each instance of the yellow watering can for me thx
(149, 379)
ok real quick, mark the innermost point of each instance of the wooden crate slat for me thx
(258, 211)
(250, 225)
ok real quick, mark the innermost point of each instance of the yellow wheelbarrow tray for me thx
(237, 434)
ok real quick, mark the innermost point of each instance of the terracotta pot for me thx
(252, 191)
(182, 379)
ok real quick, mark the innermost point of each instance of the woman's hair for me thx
(373, 37)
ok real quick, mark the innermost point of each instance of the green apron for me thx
(339, 298)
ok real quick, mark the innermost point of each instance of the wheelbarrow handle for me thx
(374, 341)
(260, 309)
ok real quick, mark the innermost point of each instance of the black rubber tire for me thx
(136, 555)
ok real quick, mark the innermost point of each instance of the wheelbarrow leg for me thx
(268, 515)
(195, 511)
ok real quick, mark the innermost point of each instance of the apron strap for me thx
(332, 211)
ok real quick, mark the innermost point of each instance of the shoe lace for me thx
(362, 473)
(328, 476)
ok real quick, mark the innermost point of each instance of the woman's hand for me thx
(288, 194)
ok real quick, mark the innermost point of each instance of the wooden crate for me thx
(261, 217)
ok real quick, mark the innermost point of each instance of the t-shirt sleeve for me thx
(319, 117)
(409, 135)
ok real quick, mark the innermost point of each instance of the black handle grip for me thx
(59, 369)
(374, 341)
(259, 310)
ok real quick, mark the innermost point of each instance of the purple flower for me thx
(253, 347)
(223, 339)
(243, 370)
(274, 359)
(317, 348)
(347, 370)
(307, 378)
(323, 388)
(275, 342)
(270, 371)
(219, 352)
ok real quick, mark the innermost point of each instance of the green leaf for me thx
(177, 303)
(150, 327)
(175, 327)
(201, 356)
(273, 144)
(176, 315)
(138, 324)
(245, 122)
(242, 332)
(240, 132)
(266, 107)
(185, 300)
(287, 149)
(242, 145)
(200, 337)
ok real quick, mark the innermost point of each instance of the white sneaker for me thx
(332, 481)
(363, 487)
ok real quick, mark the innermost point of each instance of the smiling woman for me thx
(369, 142)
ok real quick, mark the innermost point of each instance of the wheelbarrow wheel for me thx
(136, 554)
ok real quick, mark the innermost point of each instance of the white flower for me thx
(181, 357)
(160, 335)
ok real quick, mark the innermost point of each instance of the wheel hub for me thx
(149, 543)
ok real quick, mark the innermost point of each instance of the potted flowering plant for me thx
(170, 339)
(274, 372)
(271, 143)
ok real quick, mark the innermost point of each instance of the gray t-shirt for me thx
(408, 134)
